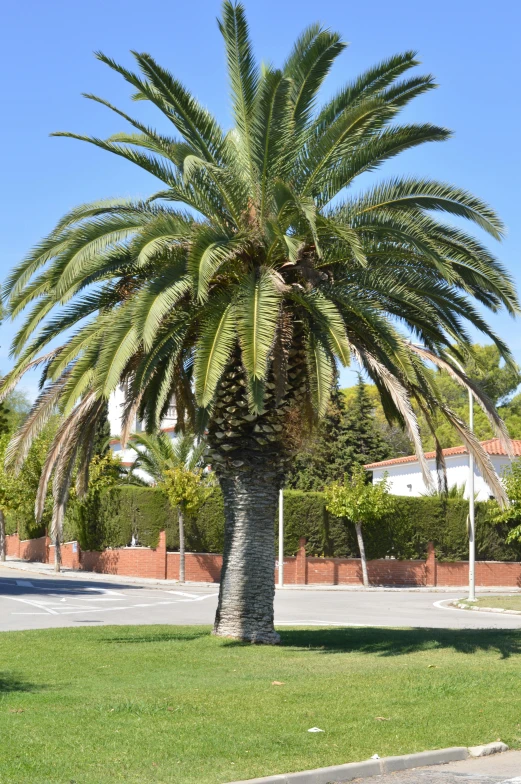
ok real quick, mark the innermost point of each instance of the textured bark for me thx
(2, 536)
(57, 554)
(249, 455)
(245, 609)
(363, 559)
(181, 520)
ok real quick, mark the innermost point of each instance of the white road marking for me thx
(53, 603)
(24, 583)
(517, 780)
(33, 604)
(28, 613)
(112, 609)
(92, 598)
(106, 591)
(105, 609)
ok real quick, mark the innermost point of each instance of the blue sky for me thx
(471, 46)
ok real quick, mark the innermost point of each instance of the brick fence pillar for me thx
(301, 576)
(161, 557)
(76, 555)
(430, 566)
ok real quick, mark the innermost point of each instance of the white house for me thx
(128, 455)
(405, 477)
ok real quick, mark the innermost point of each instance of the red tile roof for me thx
(492, 447)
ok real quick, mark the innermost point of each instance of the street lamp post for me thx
(472, 521)
(281, 538)
(470, 485)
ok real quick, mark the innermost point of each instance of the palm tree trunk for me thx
(2, 536)
(57, 554)
(363, 559)
(245, 609)
(181, 520)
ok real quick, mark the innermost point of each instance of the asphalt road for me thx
(498, 769)
(34, 601)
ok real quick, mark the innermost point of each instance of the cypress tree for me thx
(364, 443)
(347, 436)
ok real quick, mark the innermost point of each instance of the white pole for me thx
(472, 525)
(281, 538)
(470, 485)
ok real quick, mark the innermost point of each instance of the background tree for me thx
(18, 490)
(358, 500)
(498, 380)
(347, 436)
(101, 445)
(256, 269)
(175, 464)
(7, 494)
(512, 514)
(393, 435)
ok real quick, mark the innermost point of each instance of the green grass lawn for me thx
(173, 704)
(512, 602)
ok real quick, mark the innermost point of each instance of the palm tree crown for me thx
(257, 267)
(158, 453)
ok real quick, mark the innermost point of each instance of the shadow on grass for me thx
(372, 641)
(146, 636)
(399, 642)
(10, 683)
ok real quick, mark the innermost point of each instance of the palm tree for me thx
(254, 271)
(165, 459)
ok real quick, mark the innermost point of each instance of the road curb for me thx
(355, 770)
(487, 609)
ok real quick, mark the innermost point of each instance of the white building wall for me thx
(406, 478)
(115, 415)
(116, 403)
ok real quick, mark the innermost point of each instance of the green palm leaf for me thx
(213, 350)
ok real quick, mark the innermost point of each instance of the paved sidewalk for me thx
(496, 769)
(48, 570)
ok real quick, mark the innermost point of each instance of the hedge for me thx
(111, 518)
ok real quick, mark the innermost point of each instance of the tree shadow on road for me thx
(399, 642)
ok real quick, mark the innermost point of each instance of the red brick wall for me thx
(27, 549)
(129, 561)
(488, 574)
(298, 570)
(199, 567)
(12, 545)
(348, 571)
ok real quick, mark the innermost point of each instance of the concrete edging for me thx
(355, 770)
(487, 609)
